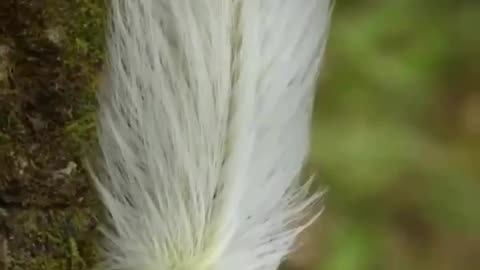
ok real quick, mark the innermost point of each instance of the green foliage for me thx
(397, 136)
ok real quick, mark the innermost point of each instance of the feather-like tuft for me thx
(204, 126)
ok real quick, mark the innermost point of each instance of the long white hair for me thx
(204, 128)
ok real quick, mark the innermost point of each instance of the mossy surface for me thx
(51, 238)
(50, 54)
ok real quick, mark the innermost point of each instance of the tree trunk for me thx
(50, 53)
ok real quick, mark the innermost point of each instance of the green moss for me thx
(4, 139)
(67, 233)
(76, 261)
(46, 263)
(83, 52)
(84, 32)
(59, 233)
(82, 129)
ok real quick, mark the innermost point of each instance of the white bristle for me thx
(204, 126)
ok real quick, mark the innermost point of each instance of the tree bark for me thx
(50, 53)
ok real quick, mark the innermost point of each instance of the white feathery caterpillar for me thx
(203, 128)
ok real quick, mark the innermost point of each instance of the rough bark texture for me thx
(50, 53)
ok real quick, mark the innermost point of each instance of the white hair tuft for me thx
(204, 128)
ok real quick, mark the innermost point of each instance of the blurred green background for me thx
(396, 138)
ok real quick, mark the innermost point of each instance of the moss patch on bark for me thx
(50, 54)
